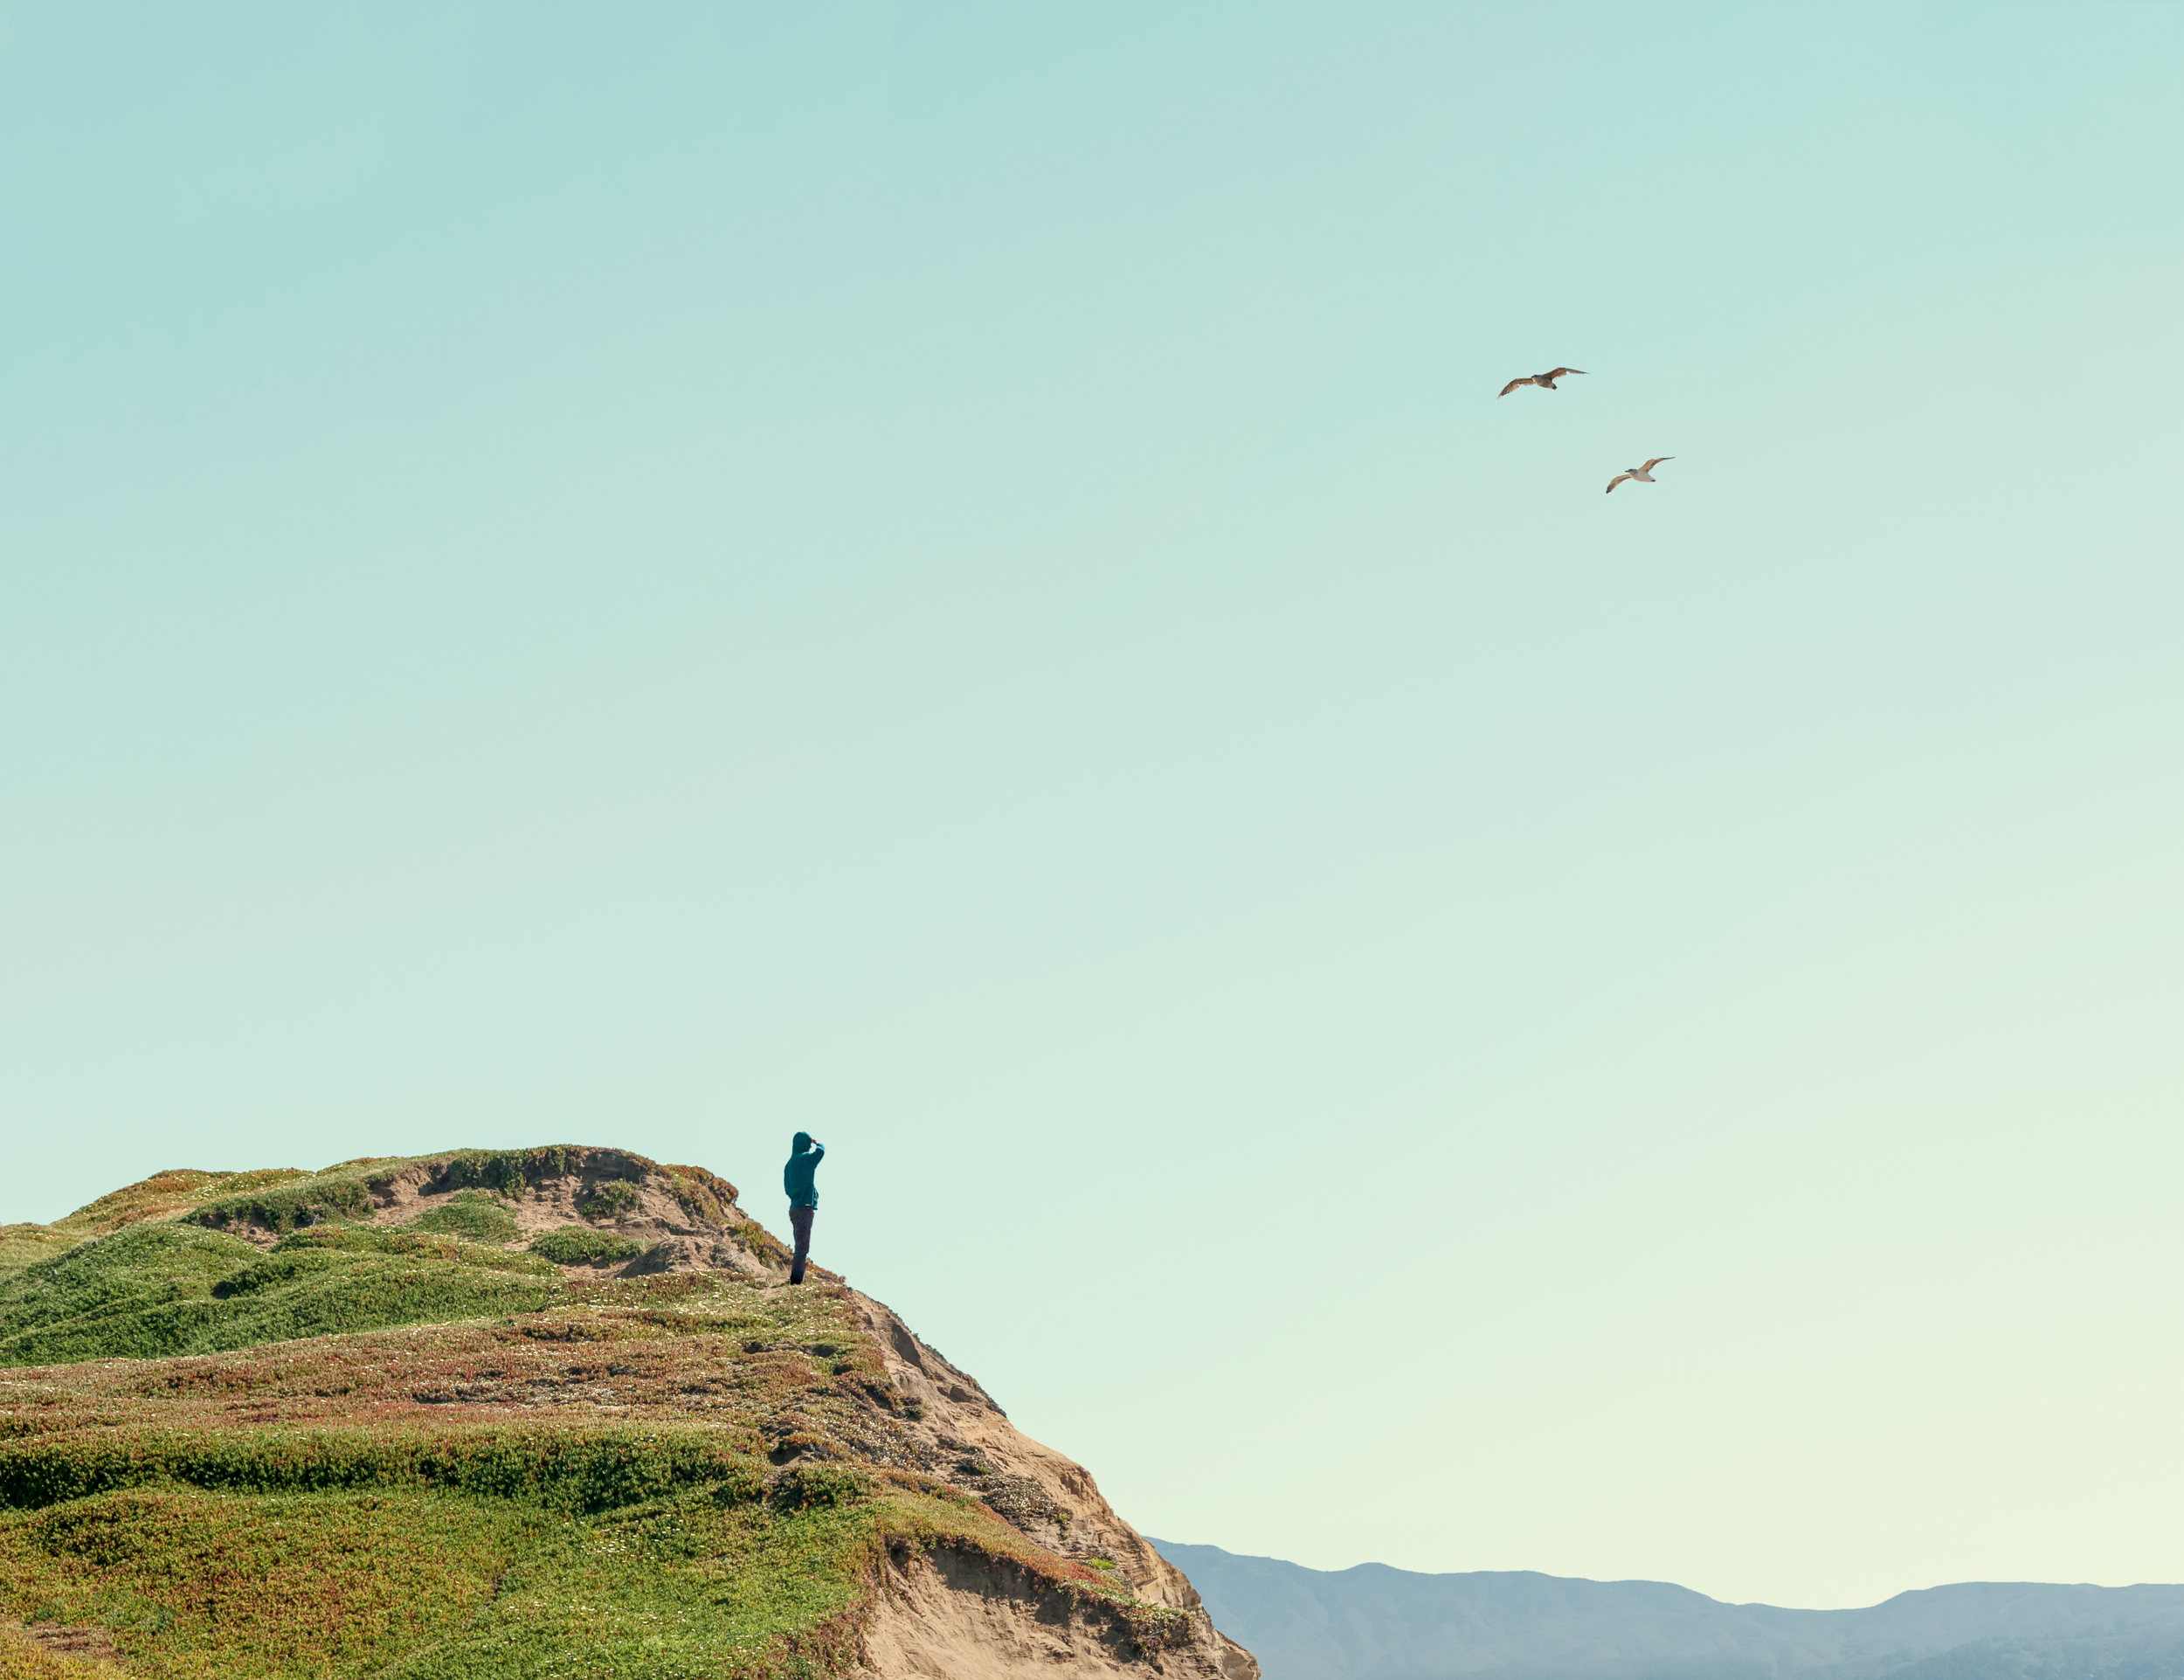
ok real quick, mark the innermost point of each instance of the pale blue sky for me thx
(954, 578)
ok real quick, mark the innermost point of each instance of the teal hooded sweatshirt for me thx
(796, 1177)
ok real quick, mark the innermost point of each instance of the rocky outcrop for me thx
(962, 1616)
(672, 1219)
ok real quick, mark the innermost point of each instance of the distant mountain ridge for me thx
(1376, 1623)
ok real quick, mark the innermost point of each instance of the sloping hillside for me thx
(1376, 1623)
(543, 1412)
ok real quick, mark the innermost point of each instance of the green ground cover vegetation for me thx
(579, 1245)
(728, 1578)
(477, 1215)
(151, 1290)
(611, 1199)
(411, 1452)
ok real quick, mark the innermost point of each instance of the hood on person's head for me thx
(803, 1146)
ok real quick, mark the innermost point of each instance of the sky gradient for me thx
(954, 577)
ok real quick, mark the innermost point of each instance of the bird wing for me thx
(1514, 384)
(1558, 372)
(1655, 462)
(1617, 479)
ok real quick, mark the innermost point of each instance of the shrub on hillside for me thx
(815, 1483)
(579, 1245)
(477, 1215)
(610, 1200)
(704, 1195)
(505, 1170)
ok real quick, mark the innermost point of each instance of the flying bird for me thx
(1544, 381)
(1638, 474)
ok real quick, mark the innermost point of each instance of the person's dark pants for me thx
(800, 1222)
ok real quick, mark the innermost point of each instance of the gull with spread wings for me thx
(1638, 474)
(1544, 381)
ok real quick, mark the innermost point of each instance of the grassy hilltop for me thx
(546, 1413)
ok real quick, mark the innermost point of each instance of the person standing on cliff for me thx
(796, 1178)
